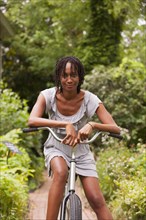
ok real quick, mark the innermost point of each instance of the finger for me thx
(78, 137)
(83, 137)
(71, 143)
(68, 141)
(75, 142)
(66, 138)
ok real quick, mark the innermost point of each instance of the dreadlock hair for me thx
(60, 68)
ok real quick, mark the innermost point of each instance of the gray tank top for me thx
(79, 119)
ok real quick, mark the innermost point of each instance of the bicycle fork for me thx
(71, 188)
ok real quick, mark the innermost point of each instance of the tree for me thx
(103, 39)
(41, 38)
(59, 28)
(134, 32)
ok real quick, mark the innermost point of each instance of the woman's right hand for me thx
(71, 136)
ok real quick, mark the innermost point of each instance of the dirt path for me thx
(38, 202)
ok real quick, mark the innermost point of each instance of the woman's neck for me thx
(69, 95)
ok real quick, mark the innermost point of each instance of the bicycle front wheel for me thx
(74, 208)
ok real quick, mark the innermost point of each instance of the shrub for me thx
(130, 200)
(122, 178)
(13, 110)
(15, 171)
(122, 90)
(14, 197)
(14, 115)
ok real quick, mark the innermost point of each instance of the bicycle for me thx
(71, 207)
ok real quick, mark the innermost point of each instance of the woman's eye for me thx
(65, 76)
(74, 75)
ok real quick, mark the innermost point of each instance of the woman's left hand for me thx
(84, 132)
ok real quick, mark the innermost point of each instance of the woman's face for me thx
(69, 79)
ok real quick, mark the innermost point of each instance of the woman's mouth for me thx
(69, 86)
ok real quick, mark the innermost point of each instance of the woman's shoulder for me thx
(49, 94)
(91, 103)
(90, 97)
(88, 94)
(49, 90)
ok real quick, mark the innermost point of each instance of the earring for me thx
(60, 88)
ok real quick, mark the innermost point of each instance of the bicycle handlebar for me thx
(26, 130)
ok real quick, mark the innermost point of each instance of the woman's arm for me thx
(36, 116)
(36, 120)
(107, 122)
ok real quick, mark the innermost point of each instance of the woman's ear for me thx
(60, 88)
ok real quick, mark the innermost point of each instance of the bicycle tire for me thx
(74, 209)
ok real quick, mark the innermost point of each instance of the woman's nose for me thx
(69, 78)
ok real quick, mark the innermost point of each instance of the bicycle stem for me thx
(72, 172)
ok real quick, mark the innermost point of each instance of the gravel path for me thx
(38, 202)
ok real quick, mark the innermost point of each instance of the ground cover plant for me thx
(16, 169)
(122, 178)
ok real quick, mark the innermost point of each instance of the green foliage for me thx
(102, 41)
(122, 177)
(134, 31)
(40, 39)
(15, 160)
(15, 171)
(98, 32)
(133, 28)
(14, 197)
(32, 143)
(130, 202)
(13, 110)
(14, 116)
(122, 90)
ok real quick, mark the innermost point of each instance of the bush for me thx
(13, 110)
(15, 171)
(122, 90)
(14, 115)
(130, 201)
(122, 178)
(32, 143)
(14, 197)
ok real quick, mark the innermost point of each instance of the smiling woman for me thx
(70, 110)
(69, 80)
(76, 69)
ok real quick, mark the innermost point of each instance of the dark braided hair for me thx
(60, 68)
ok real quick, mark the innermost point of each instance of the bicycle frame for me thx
(71, 185)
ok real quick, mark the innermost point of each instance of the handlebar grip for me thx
(115, 136)
(26, 130)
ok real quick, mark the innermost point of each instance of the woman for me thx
(70, 112)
